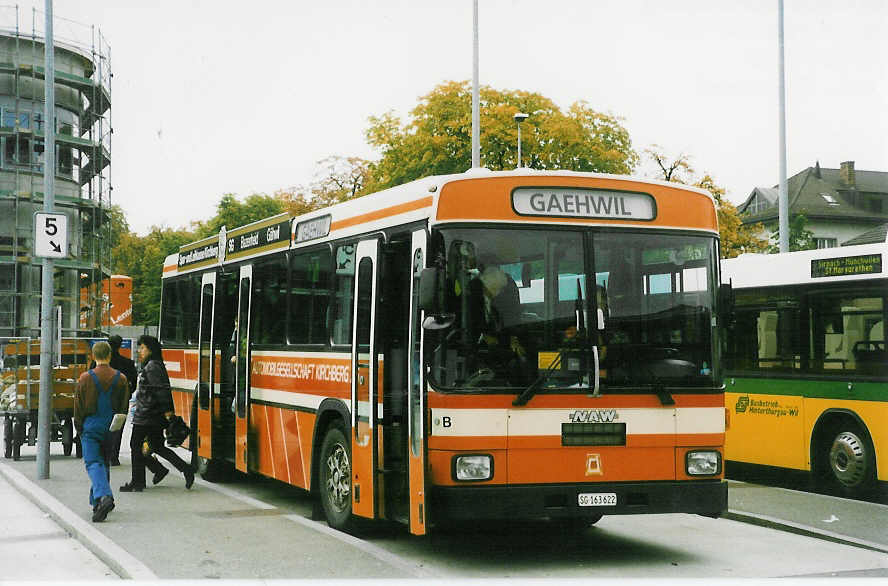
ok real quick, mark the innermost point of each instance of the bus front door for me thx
(206, 370)
(365, 383)
(416, 397)
(242, 371)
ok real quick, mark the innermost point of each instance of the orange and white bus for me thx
(512, 344)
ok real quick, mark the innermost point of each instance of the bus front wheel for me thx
(335, 479)
(848, 460)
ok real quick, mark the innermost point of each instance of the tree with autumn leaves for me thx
(736, 237)
(435, 140)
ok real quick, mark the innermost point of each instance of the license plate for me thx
(597, 499)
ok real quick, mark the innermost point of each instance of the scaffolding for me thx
(83, 169)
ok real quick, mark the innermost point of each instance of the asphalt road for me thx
(251, 528)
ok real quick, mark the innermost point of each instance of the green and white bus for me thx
(806, 364)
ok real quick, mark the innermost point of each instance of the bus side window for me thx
(172, 326)
(340, 324)
(269, 302)
(192, 311)
(844, 328)
(309, 296)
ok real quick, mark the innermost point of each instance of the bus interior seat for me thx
(767, 336)
(871, 355)
(877, 332)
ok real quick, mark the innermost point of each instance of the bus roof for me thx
(824, 265)
(454, 198)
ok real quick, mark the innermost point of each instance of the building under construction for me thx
(82, 175)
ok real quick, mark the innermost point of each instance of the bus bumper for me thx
(708, 498)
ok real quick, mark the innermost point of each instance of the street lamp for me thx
(519, 118)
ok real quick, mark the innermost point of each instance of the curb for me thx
(115, 557)
(800, 529)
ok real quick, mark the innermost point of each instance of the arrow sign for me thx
(50, 235)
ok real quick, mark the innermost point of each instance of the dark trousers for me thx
(113, 453)
(154, 434)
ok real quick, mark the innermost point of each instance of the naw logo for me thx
(742, 404)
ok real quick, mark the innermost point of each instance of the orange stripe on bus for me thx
(563, 401)
(488, 199)
(383, 213)
(468, 443)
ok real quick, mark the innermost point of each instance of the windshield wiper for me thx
(528, 393)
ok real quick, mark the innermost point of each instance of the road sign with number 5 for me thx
(50, 235)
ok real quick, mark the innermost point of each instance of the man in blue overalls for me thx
(101, 392)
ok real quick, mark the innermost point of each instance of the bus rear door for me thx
(242, 371)
(416, 396)
(365, 382)
(206, 367)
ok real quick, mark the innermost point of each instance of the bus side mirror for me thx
(428, 289)
(430, 281)
(726, 304)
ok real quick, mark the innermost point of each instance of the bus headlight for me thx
(703, 463)
(474, 467)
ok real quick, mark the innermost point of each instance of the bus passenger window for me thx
(309, 296)
(269, 302)
(845, 334)
(343, 290)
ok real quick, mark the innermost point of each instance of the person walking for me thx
(128, 368)
(154, 406)
(101, 392)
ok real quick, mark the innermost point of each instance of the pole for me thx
(782, 196)
(44, 409)
(519, 144)
(476, 108)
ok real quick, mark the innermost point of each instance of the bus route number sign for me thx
(867, 264)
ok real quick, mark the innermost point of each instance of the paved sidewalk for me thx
(213, 532)
(34, 546)
(168, 532)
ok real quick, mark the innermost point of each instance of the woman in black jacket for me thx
(154, 406)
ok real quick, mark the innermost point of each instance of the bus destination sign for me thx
(566, 202)
(313, 229)
(199, 254)
(258, 238)
(867, 264)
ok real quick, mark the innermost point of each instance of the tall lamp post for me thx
(519, 118)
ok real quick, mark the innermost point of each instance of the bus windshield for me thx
(521, 309)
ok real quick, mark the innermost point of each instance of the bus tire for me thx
(335, 479)
(67, 436)
(847, 459)
(18, 438)
(7, 437)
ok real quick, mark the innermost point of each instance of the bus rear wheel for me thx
(848, 460)
(335, 479)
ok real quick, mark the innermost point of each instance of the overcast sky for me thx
(219, 96)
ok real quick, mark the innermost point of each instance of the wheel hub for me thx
(339, 478)
(847, 459)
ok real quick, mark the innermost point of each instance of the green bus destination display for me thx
(867, 264)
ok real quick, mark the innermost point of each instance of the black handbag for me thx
(176, 431)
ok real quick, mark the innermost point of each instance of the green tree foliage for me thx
(800, 238)
(337, 179)
(736, 238)
(438, 138)
(119, 225)
(142, 257)
(231, 212)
